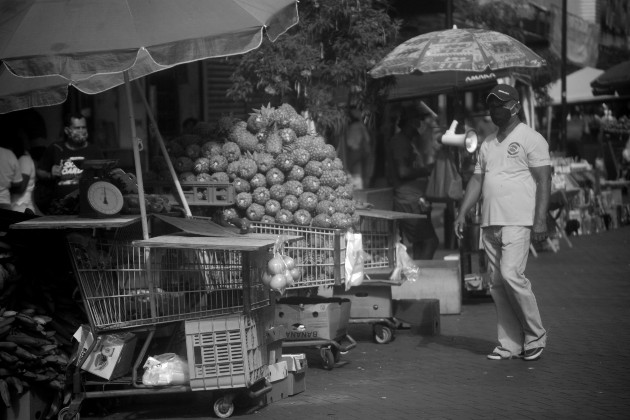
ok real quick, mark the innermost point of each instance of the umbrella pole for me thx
(171, 169)
(136, 158)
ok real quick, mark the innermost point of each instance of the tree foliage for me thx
(321, 64)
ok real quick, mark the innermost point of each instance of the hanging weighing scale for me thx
(98, 197)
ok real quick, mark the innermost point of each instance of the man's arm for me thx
(471, 196)
(542, 177)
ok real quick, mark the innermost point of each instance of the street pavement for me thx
(584, 373)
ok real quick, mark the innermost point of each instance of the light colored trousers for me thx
(518, 319)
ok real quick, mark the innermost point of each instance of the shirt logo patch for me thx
(512, 150)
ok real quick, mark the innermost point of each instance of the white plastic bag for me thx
(165, 369)
(354, 259)
(405, 268)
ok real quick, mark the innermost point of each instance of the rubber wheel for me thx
(223, 409)
(328, 358)
(382, 334)
(61, 415)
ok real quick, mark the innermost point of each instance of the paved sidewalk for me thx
(584, 298)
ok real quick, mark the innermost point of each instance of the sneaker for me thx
(533, 354)
(498, 356)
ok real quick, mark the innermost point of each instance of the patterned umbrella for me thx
(455, 49)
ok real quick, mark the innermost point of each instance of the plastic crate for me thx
(379, 241)
(320, 254)
(226, 352)
(125, 286)
(202, 193)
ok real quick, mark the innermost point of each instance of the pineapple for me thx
(218, 163)
(193, 151)
(325, 207)
(210, 148)
(272, 207)
(247, 168)
(322, 220)
(231, 151)
(299, 125)
(307, 201)
(277, 192)
(284, 162)
(296, 173)
(314, 168)
(273, 144)
(274, 177)
(241, 185)
(311, 183)
(245, 140)
(294, 188)
(258, 180)
(243, 200)
(264, 161)
(284, 217)
(203, 177)
(290, 203)
(201, 165)
(255, 212)
(301, 156)
(302, 217)
(260, 195)
(220, 177)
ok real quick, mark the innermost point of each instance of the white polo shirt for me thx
(509, 190)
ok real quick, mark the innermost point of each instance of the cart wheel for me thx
(382, 334)
(222, 408)
(61, 415)
(328, 358)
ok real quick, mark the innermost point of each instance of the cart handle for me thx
(262, 391)
(346, 348)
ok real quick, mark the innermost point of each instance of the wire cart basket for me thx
(320, 253)
(173, 286)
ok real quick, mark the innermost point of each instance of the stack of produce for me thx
(35, 348)
(281, 172)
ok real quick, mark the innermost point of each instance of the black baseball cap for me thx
(504, 93)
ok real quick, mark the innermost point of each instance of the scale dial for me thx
(105, 198)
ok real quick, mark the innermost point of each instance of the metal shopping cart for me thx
(206, 286)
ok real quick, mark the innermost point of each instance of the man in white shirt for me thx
(513, 175)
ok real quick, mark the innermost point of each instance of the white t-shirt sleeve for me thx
(538, 151)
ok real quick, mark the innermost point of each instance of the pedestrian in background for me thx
(409, 172)
(513, 174)
(10, 176)
(22, 201)
(358, 151)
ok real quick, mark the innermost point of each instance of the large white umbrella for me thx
(95, 45)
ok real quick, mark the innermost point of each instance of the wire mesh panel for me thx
(379, 240)
(320, 254)
(125, 286)
(226, 352)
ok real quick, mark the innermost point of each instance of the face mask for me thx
(501, 115)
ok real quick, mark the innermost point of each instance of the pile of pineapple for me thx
(281, 172)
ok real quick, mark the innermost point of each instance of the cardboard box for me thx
(31, 405)
(112, 355)
(422, 314)
(313, 318)
(294, 362)
(438, 280)
(279, 390)
(297, 380)
(368, 301)
(278, 371)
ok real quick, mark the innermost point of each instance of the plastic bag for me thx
(444, 181)
(354, 259)
(405, 268)
(165, 369)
